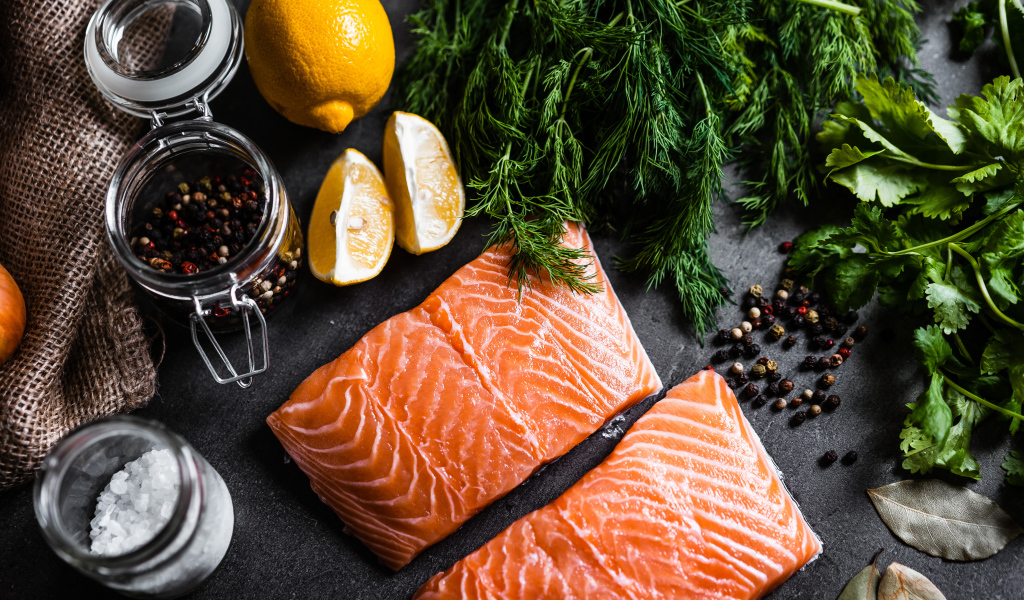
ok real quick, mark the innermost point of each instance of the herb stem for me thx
(963, 349)
(956, 237)
(853, 11)
(910, 160)
(704, 94)
(587, 53)
(984, 288)
(980, 400)
(1006, 38)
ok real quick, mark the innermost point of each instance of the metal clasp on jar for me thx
(242, 306)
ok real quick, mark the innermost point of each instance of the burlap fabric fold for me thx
(84, 354)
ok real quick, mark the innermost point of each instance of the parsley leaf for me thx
(1014, 467)
(931, 347)
(952, 307)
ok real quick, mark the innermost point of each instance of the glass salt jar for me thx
(180, 554)
(245, 237)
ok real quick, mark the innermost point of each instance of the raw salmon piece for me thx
(688, 505)
(439, 411)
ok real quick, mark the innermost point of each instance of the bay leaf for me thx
(903, 583)
(944, 520)
(864, 585)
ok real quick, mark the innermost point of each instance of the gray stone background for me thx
(287, 544)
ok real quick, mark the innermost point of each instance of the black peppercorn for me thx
(830, 457)
(720, 356)
(789, 342)
(832, 402)
(824, 312)
(789, 313)
(742, 379)
(816, 329)
(759, 401)
(810, 362)
(763, 360)
(826, 381)
(786, 386)
(723, 336)
(761, 302)
(747, 340)
(799, 320)
(776, 376)
(749, 302)
(752, 350)
(818, 342)
(850, 458)
(778, 305)
(796, 299)
(751, 390)
(830, 323)
(860, 333)
(736, 350)
(768, 320)
(851, 317)
(814, 297)
(822, 364)
(818, 397)
(798, 419)
(773, 389)
(755, 323)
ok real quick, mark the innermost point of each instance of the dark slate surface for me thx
(288, 545)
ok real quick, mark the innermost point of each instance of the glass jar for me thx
(258, 274)
(183, 553)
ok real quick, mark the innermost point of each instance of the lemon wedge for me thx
(352, 229)
(423, 182)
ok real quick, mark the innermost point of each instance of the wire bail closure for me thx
(243, 306)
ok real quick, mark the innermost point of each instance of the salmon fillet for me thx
(440, 410)
(688, 505)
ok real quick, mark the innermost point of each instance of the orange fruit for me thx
(352, 228)
(423, 183)
(320, 63)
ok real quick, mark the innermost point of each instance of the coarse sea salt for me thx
(136, 504)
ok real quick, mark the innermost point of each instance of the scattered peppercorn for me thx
(720, 356)
(780, 404)
(755, 323)
(768, 319)
(758, 371)
(851, 317)
(751, 390)
(844, 352)
(796, 402)
(789, 313)
(810, 362)
(815, 410)
(736, 334)
(746, 327)
(798, 419)
(802, 310)
(749, 302)
(747, 340)
(807, 395)
(822, 363)
(832, 402)
(771, 366)
(814, 297)
(811, 317)
(786, 386)
(759, 401)
(850, 458)
(786, 247)
(742, 380)
(803, 290)
(849, 342)
(762, 303)
(830, 323)
(736, 350)
(818, 341)
(777, 332)
(773, 389)
(830, 457)
(829, 343)
(835, 360)
(824, 312)
(723, 336)
(827, 380)
(798, 320)
(786, 284)
(860, 333)
(778, 305)
(816, 329)
(818, 397)
(754, 313)
(763, 360)
(776, 376)
(789, 342)
(752, 350)
(756, 291)
(737, 368)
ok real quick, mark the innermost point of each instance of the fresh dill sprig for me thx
(569, 109)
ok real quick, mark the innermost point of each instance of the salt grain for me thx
(136, 504)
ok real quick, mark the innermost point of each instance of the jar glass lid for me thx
(127, 60)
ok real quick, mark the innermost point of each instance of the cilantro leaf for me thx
(939, 201)
(876, 179)
(923, 451)
(997, 200)
(1004, 350)
(931, 348)
(931, 414)
(895, 106)
(951, 306)
(931, 271)
(972, 24)
(1016, 375)
(870, 229)
(848, 155)
(1014, 467)
(999, 278)
(983, 179)
(851, 282)
(996, 118)
(813, 251)
(948, 131)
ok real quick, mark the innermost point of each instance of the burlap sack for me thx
(84, 354)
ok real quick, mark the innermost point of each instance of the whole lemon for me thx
(320, 63)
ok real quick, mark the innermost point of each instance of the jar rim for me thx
(48, 481)
(219, 279)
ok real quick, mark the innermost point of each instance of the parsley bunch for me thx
(941, 220)
(623, 112)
